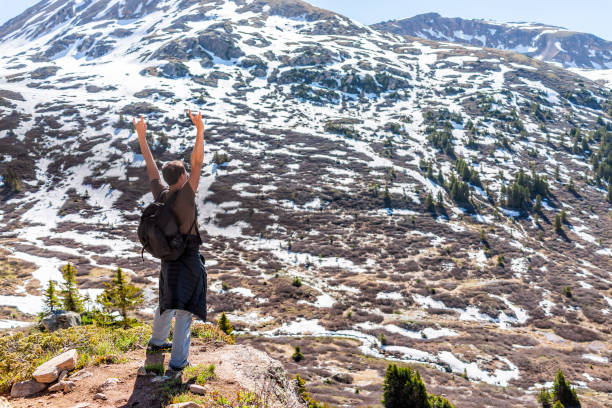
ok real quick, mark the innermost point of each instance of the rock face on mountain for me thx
(548, 43)
(363, 193)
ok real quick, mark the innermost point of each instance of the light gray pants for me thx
(181, 337)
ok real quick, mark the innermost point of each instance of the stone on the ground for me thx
(100, 396)
(26, 388)
(197, 389)
(109, 383)
(81, 375)
(82, 405)
(4, 403)
(189, 404)
(343, 378)
(62, 375)
(61, 320)
(66, 386)
(50, 370)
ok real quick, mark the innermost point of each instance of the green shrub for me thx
(224, 324)
(297, 282)
(403, 387)
(297, 355)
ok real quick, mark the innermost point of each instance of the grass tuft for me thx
(210, 332)
(199, 373)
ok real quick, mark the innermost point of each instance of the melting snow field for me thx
(371, 346)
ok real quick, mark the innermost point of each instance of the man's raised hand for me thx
(197, 121)
(141, 126)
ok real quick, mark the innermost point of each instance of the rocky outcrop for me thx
(254, 370)
(61, 320)
(221, 44)
(44, 72)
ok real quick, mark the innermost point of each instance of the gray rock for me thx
(61, 320)
(81, 375)
(197, 389)
(110, 383)
(175, 70)
(26, 388)
(65, 386)
(62, 375)
(100, 396)
(343, 378)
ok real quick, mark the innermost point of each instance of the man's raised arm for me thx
(197, 156)
(141, 129)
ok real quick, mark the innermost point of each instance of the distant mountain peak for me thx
(546, 42)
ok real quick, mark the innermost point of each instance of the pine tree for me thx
(563, 392)
(297, 355)
(545, 399)
(563, 216)
(224, 324)
(538, 204)
(120, 296)
(403, 387)
(440, 200)
(50, 300)
(71, 299)
(429, 203)
(558, 226)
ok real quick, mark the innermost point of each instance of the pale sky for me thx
(591, 16)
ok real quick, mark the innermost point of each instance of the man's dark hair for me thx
(172, 171)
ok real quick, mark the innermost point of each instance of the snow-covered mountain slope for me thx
(336, 135)
(548, 43)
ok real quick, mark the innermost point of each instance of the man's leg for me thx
(161, 327)
(181, 340)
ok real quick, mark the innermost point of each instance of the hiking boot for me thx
(177, 369)
(162, 347)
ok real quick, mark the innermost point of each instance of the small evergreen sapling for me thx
(50, 300)
(71, 299)
(225, 325)
(120, 296)
(297, 355)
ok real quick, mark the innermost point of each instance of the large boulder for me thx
(50, 370)
(26, 388)
(61, 320)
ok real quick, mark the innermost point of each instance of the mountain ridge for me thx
(546, 42)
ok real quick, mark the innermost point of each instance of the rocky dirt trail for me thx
(237, 368)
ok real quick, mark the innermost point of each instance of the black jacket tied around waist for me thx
(182, 283)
